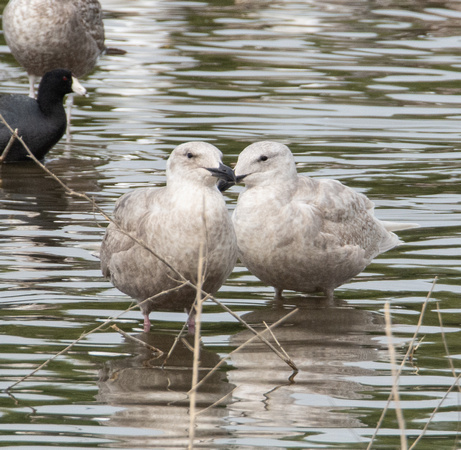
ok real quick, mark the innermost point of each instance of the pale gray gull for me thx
(299, 233)
(49, 34)
(174, 221)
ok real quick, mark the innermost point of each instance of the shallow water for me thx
(367, 92)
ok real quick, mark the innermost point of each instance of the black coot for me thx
(42, 122)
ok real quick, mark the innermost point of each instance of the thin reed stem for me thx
(431, 417)
(407, 354)
(455, 382)
(196, 361)
(395, 378)
(175, 343)
(276, 340)
(445, 345)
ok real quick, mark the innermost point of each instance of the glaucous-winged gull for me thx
(299, 233)
(48, 34)
(174, 221)
(42, 122)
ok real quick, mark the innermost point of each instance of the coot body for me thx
(42, 122)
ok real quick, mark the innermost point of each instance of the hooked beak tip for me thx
(225, 175)
(223, 172)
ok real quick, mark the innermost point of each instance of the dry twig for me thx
(410, 348)
(138, 341)
(196, 361)
(445, 345)
(223, 360)
(178, 337)
(455, 382)
(84, 335)
(9, 145)
(431, 417)
(395, 378)
(276, 340)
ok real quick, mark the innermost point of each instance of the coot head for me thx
(57, 83)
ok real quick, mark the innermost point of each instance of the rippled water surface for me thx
(367, 92)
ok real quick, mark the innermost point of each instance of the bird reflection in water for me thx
(330, 343)
(155, 397)
(334, 347)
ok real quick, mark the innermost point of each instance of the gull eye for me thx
(190, 155)
(263, 158)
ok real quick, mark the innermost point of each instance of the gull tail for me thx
(397, 226)
(391, 240)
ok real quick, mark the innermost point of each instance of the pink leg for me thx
(191, 323)
(146, 323)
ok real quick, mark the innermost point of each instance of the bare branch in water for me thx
(9, 145)
(138, 341)
(258, 336)
(83, 336)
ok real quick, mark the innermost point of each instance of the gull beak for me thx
(77, 87)
(225, 175)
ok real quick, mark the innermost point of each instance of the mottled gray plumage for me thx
(173, 220)
(48, 34)
(300, 233)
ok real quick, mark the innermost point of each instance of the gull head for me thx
(265, 162)
(198, 162)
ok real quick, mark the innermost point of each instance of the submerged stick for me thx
(288, 360)
(177, 338)
(216, 403)
(62, 352)
(222, 361)
(138, 341)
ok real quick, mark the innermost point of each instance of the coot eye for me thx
(263, 158)
(190, 155)
(64, 78)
